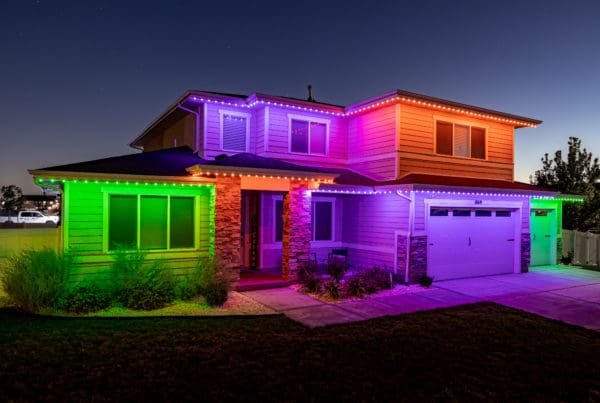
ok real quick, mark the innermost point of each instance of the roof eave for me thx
(100, 176)
(200, 169)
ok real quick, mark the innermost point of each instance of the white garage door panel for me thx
(470, 246)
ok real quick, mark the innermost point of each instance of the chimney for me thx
(310, 96)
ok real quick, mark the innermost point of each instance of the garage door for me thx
(469, 242)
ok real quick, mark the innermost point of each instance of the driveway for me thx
(557, 292)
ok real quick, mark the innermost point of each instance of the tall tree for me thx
(11, 198)
(577, 175)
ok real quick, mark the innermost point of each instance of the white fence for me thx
(585, 247)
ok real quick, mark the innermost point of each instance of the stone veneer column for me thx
(296, 228)
(525, 252)
(418, 258)
(228, 220)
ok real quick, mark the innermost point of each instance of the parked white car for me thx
(29, 217)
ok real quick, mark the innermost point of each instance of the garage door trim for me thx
(515, 206)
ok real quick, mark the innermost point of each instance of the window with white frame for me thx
(308, 135)
(234, 131)
(322, 220)
(459, 140)
(150, 222)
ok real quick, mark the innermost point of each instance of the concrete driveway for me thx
(557, 292)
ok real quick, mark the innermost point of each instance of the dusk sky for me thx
(81, 79)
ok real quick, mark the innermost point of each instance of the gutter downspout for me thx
(197, 115)
(411, 220)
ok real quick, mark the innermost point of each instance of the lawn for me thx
(472, 352)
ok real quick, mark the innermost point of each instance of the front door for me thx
(543, 237)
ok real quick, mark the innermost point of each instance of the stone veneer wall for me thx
(296, 228)
(525, 252)
(418, 258)
(228, 220)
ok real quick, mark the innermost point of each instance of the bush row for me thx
(38, 279)
(367, 281)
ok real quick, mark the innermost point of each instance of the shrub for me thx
(190, 285)
(215, 281)
(425, 280)
(336, 266)
(332, 288)
(567, 260)
(85, 298)
(308, 278)
(35, 279)
(376, 279)
(355, 287)
(139, 285)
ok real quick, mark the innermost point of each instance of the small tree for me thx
(575, 175)
(11, 198)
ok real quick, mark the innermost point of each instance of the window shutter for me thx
(234, 133)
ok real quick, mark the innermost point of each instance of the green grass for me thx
(473, 352)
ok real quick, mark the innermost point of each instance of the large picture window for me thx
(308, 136)
(459, 140)
(150, 222)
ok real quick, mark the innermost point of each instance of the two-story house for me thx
(417, 184)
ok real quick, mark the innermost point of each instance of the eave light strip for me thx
(367, 108)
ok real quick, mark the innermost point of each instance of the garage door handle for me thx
(511, 240)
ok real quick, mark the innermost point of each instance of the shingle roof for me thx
(246, 160)
(168, 162)
(424, 179)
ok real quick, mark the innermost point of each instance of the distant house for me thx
(417, 184)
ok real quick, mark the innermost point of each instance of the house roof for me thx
(251, 164)
(455, 181)
(167, 162)
(192, 98)
(247, 160)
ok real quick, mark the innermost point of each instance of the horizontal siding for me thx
(416, 146)
(420, 221)
(213, 129)
(370, 223)
(85, 232)
(278, 137)
(382, 168)
(450, 166)
(372, 133)
(257, 141)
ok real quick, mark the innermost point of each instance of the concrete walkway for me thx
(564, 293)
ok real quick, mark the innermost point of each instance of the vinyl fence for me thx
(585, 247)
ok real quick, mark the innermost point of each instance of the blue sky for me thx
(79, 80)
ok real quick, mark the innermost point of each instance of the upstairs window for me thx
(234, 131)
(459, 140)
(308, 136)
